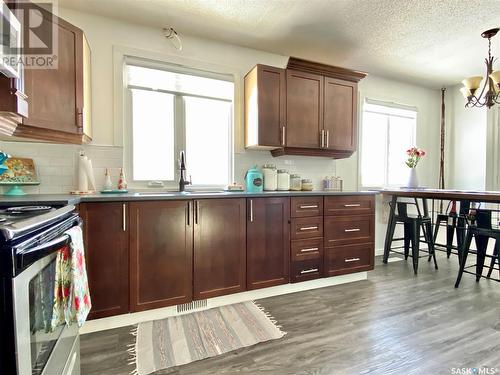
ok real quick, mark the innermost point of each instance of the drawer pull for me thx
(352, 230)
(309, 228)
(352, 205)
(308, 250)
(309, 271)
(351, 260)
(308, 206)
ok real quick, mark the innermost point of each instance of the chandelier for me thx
(490, 92)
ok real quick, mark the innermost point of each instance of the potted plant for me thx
(414, 156)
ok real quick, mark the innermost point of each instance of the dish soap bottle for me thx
(108, 185)
(122, 182)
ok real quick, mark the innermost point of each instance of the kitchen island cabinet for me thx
(161, 261)
(268, 242)
(105, 236)
(219, 247)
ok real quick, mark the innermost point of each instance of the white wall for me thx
(467, 131)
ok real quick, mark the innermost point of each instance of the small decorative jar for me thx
(307, 184)
(270, 177)
(283, 179)
(295, 182)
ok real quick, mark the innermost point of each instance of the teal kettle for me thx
(254, 180)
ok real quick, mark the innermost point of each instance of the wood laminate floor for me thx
(392, 323)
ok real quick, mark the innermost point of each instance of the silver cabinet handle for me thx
(308, 250)
(351, 260)
(327, 138)
(283, 136)
(309, 271)
(352, 205)
(189, 213)
(124, 217)
(196, 211)
(251, 210)
(352, 230)
(322, 138)
(309, 228)
(309, 206)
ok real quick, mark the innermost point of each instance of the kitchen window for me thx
(388, 130)
(174, 109)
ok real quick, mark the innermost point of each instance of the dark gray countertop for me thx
(62, 199)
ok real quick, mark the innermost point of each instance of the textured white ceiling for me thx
(430, 42)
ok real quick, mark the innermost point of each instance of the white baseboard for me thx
(145, 316)
(379, 251)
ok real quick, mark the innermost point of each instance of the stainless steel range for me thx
(30, 237)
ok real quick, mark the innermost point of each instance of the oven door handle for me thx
(27, 257)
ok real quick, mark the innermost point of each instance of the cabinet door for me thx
(304, 113)
(340, 122)
(161, 238)
(56, 97)
(107, 259)
(219, 247)
(265, 95)
(268, 242)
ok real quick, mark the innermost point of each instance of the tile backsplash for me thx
(57, 164)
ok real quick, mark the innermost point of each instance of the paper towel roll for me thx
(82, 174)
(89, 170)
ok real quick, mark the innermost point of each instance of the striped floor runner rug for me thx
(187, 338)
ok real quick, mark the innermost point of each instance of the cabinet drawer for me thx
(306, 206)
(306, 270)
(307, 249)
(348, 258)
(307, 227)
(345, 230)
(349, 205)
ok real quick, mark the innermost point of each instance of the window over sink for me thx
(387, 131)
(173, 108)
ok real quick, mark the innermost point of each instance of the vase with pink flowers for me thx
(414, 156)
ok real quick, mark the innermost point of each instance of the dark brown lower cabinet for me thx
(219, 247)
(345, 259)
(107, 257)
(161, 248)
(268, 242)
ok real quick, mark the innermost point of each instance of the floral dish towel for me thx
(72, 298)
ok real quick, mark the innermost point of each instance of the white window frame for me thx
(365, 101)
(179, 121)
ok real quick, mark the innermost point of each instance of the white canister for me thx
(283, 179)
(270, 177)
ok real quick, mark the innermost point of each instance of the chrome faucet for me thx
(182, 168)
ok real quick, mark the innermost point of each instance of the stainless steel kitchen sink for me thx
(171, 193)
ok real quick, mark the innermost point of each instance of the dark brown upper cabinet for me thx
(268, 242)
(340, 115)
(58, 99)
(304, 115)
(320, 116)
(265, 97)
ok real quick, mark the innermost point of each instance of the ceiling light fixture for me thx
(172, 35)
(491, 87)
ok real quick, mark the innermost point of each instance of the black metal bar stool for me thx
(412, 225)
(455, 222)
(481, 230)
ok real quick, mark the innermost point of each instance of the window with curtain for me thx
(388, 130)
(174, 110)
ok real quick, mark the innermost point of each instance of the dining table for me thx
(424, 194)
